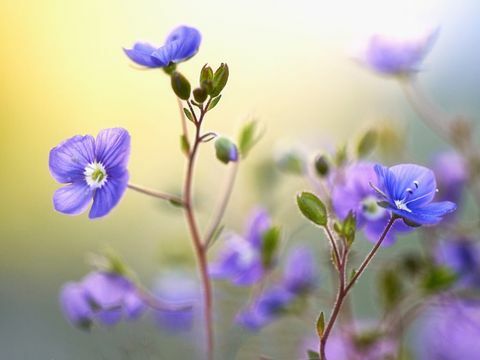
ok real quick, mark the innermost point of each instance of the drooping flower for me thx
(300, 277)
(462, 255)
(176, 288)
(240, 260)
(408, 190)
(452, 175)
(102, 296)
(450, 331)
(181, 44)
(93, 169)
(352, 192)
(393, 55)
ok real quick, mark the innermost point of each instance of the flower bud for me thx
(180, 85)
(322, 165)
(226, 150)
(200, 95)
(220, 79)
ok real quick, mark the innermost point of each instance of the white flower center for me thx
(95, 175)
(370, 208)
(401, 205)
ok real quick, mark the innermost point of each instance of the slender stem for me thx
(183, 118)
(344, 288)
(334, 246)
(222, 206)
(156, 194)
(200, 250)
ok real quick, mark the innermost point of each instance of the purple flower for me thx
(352, 192)
(300, 272)
(408, 191)
(452, 175)
(94, 169)
(265, 309)
(450, 332)
(176, 288)
(389, 55)
(181, 44)
(240, 260)
(102, 296)
(462, 255)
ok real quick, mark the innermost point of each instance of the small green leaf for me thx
(312, 208)
(391, 288)
(270, 243)
(291, 162)
(438, 278)
(180, 85)
(175, 203)
(188, 114)
(313, 355)
(320, 325)
(226, 150)
(349, 228)
(220, 79)
(214, 102)
(184, 145)
(367, 143)
(341, 156)
(248, 137)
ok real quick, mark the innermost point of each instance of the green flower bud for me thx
(180, 85)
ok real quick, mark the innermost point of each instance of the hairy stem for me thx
(156, 194)
(344, 287)
(200, 249)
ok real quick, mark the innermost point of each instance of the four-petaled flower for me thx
(93, 169)
(101, 296)
(240, 260)
(351, 191)
(181, 44)
(407, 190)
(390, 55)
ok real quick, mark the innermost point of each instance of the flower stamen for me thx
(95, 175)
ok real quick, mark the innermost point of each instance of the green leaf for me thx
(313, 355)
(291, 162)
(341, 156)
(391, 288)
(180, 85)
(248, 137)
(312, 208)
(270, 243)
(226, 150)
(184, 145)
(320, 325)
(220, 79)
(188, 114)
(438, 278)
(214, 102)
(349, 228)
(367, 143)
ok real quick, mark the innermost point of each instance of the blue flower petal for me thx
(141, 53)
(107, 290)
(258, 223)
(188, 40)
(75, 305)
(72, 199)
(112, 148)
(68, 160)
(109, 195)
(109, 317)
(406, 175)
(430, 214)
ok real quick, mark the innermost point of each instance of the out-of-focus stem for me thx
(156, 194)
(222, 205)
(183, 118)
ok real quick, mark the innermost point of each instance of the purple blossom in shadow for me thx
(299, 278)
(450, 331)
(408, 190)
(352, 191)
(181, 44)
(239, 260)
(176, 288)
(101, 296)
(462, 255)
(363, 343)
(265, 309)
(390, 55)
(452, 175)
(93, 169)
